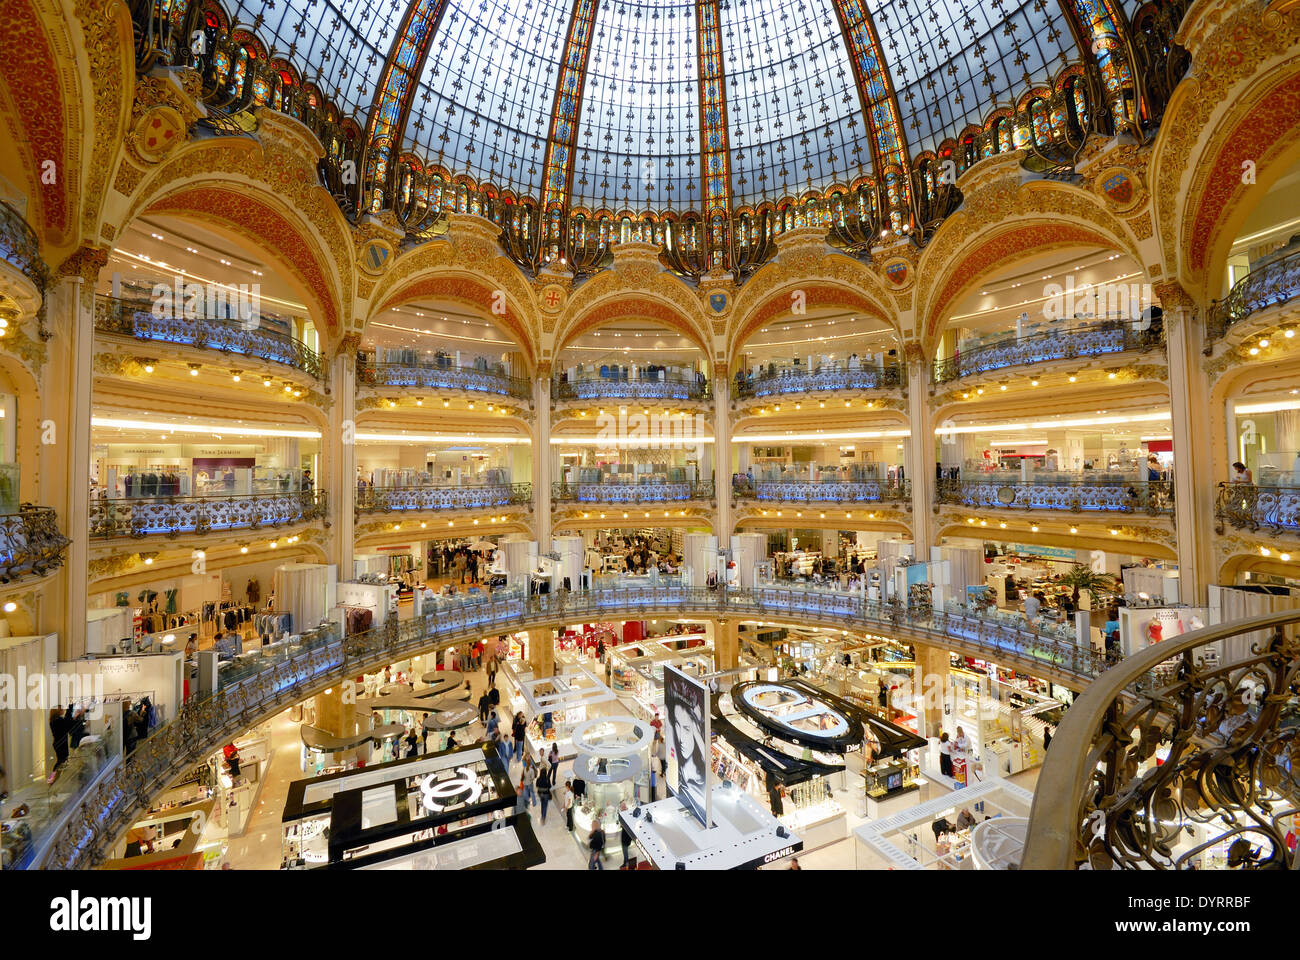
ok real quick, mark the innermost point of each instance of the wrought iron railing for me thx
(818, 491)
(1154, 497)
(1245, 505)
(1094, 340)
(389, 499)
(825, 379)
(636, 388)
(30, 542)
(655, 492)
(1268, 285)
(19, 246)
(1182, 756)
(135, 318)
(172, 516)
(263, 686)
(435, 376)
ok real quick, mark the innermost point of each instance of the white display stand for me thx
(1135, 624)
(699, 556)
(302, 591)
(570, 565)
(744, 834)
(107, 628)
(748, 550)
(517, 557)
(159, 676)
(379, 598)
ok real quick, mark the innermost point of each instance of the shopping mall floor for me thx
(259, 847)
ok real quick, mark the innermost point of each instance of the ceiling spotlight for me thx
(1074, 529)
(446, 403)
(234, 375)
(266, 382)
(1073, 378)
(10, 607)
(243, 549)
(194, 369)
(1034, 529)
(148, 366)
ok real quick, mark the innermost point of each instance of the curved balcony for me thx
(828, 491)
(1267, 285)
(657, 492)
(1093, 340)
(264, 684)
(31, 543)
(390, 499)
(19, 246)
(135, 318)
(171, 516)
(1219, 704)
(436, 376)
(633, 388)
(1247, 506)
(1155, 497)
(824, 379)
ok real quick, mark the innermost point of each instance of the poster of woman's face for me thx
(687, 739)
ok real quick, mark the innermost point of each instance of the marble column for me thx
(722, 453)
(541, 454)
(338, 449)
(920, 456)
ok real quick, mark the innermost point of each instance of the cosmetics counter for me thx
(637, 669)
(611, 773)
(1003, 713)
(393, 808)
(554, 706)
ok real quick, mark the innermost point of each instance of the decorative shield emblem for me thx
(718, 301)
(375, 257)
(898, 272)
(1119, 188)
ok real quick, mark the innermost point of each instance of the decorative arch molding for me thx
(1242, 557)
(1135, 537)
(462, 286)
(858, 286)
(613, 296)
(78, 130)
(276, 175)
(1236, 48)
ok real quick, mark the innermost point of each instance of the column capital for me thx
(84, 263)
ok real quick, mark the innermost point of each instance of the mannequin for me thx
(1155, 632)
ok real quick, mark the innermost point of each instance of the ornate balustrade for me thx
(829, 491)
(1267, 285)
(657, 492)
(1176, 753)
(608, 388)
(261, 687)
(172, 516)
(434, 377)
(30, 542)
(19, 246)
(1244, 505)
(388, 499)
(1093, 340)
(135, 318)
(1154, 497)
(794, 380)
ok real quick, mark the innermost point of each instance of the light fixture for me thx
(234, 375)
(1003, 525)
(1033, 383)
(1114, 532)
(194, 369)
(1111, 375)
(10, 607)
(266, 382)
(274, 544)
(148, 366)
(1284, 557)
(148, 561)
(419, 401)
(1073, 378)
(1264, 344)
(446, 403)
(1033, 529)
(243, 549)
(1264, 551)
(1074, 529)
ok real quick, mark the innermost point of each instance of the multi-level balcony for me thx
(1250, 507)
(643, 388)
(1153, 497)
(631, 493)
(827, 378)
(434, 498)
(822, 491)
(441, 374)
(1270, 284)
(31, 543)
(171, 516)
(245, 338)
(19, 246)
(1101, 339)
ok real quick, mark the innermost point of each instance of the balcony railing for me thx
(1268, 285)
(19, 246)
(636, 388)
(1155, 497)
(1195, 772)
(1245, 505)
(135, 318)
(388, 499)
(434, 376)
(829, 491)
(1093, 340)
(261, 686)
(143, 517)
(657, 492)
(825, 379)
(30, 542)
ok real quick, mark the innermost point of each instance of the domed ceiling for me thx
(671, 104)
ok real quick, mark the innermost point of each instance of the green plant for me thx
(1082, 578)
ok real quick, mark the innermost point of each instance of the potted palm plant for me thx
(1085, 579)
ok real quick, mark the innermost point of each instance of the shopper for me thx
(626, 840)
(553, 758)
(794, 864)
(483, 705)
(544, 790)
(503, 748)
(493, 724)
(965, 819)
(412, 743)
(1240, 474)
(424, 733)
(517, 731)
(596, 844)
(59, 725)
(945, 755)
(566, 804)
(231, 753)
(521, 794)
(529, 780)
(961, 748)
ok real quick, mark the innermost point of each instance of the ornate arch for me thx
(637, 277)
(1240, 52)
(624, 305)
(818, 293)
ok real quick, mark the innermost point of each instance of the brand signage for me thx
(686, 702)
